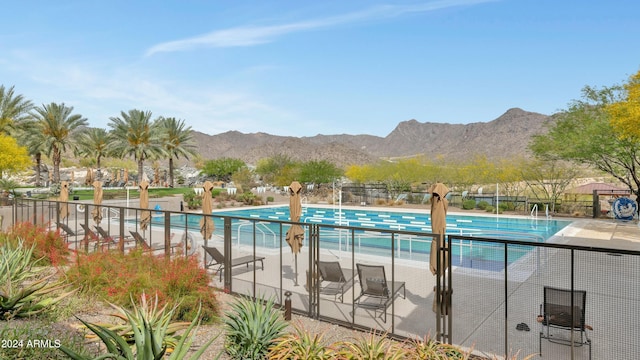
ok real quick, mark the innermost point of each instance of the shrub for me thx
(428, 348)
(193, 201)
(301, 345)
(482, 205)
(469, 204)
(371, 347)
(252, 327)
(48, 245)
(117, 277)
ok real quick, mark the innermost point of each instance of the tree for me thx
(548, 179)
(134, 134)
(30, 136)
(13, 157)
(319, 172)
(58, 125)
(178, 141)
(271, 168)
(13, 110)
(92, 142)
(223, 168)
(584, 134)
(625, 114)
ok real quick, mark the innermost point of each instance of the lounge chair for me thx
(140, 241)
(376, 293)
(108, 239)
(218, 259)
(68, 231)
(89, 235)
(333, 280)
(559, 312)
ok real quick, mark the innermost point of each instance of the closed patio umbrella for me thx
(206, 223)
(145, 216)
(88, 179)
(439, 205)
(295, 234)
(64, 198)
(125, 177)
(97, 200)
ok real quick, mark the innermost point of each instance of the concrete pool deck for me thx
(479, 316)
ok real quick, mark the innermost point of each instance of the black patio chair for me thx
(376, 293)
(563, 320)
(217, 260)
(334, 280)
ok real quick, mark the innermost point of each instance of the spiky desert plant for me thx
(301, 344)
(427, 348)
(149, 327)
(23, 292)
(371, 347)
(251, 327)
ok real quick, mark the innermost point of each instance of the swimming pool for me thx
(371, 240)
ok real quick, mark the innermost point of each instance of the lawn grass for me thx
(119, 193)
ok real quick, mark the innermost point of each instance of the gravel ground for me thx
(100, 313)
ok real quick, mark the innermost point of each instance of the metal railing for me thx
(496, 282)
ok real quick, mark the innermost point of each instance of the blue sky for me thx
(302, 68)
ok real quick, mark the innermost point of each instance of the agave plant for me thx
(22, 293)
(251, 327)
(428, 348)
(147, 329)
(371, 347)
(301, 345)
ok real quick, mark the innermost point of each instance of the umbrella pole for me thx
(295, 260)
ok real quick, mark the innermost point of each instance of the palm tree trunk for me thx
(140, 170)
(171, 172)
(38, 157)
(56, 165)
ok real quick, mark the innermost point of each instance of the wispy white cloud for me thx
(255, 35)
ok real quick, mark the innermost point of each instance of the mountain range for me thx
(506, 137)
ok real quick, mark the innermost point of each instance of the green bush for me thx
(469, 204)
(193, 201)
(252, 326)
(482, 205)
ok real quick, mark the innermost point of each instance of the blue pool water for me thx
(374, 242)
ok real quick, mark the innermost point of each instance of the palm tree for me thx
(92, 142)
(13, 110)
(58, 125)
(178, 141)
(136, 135)
(33, 139)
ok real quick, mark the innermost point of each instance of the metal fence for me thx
(496, 285)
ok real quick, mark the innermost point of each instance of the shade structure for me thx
(64, 198)
(145, 215)
(206, 223)
(96, 213)
(439, 205)
(295, 234)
